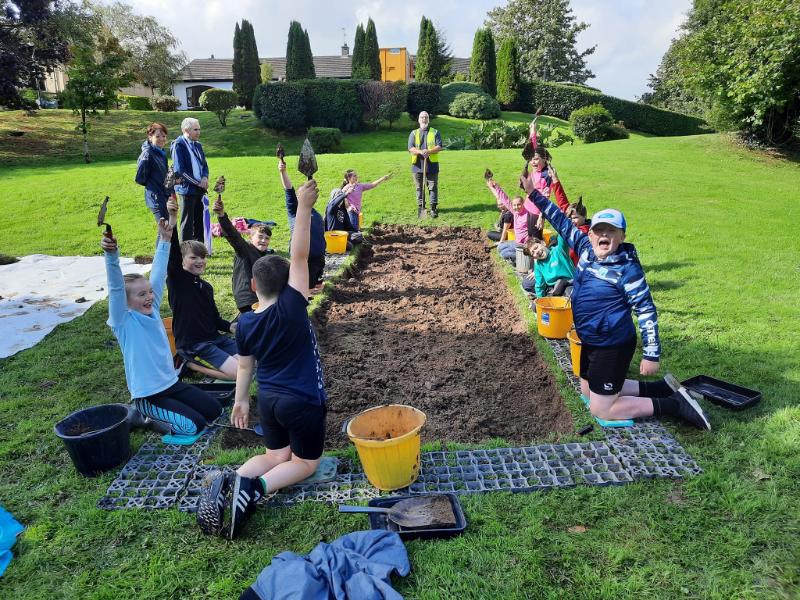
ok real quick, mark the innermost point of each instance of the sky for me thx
(631, 35)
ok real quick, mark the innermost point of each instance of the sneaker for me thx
(688, 406)
(211, 507)
(434, 212)
(420, 213)
(246, 492)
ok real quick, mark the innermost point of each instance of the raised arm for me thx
(576, 239)
(117, 300)
(175, 264)
(301, 237)
(500, 195)
(229, 232)
(377, 182)
(158, 273)
(558, 190)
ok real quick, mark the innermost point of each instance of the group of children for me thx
(591, 263)
(275, 342)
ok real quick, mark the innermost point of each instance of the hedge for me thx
(559, 100)
(333, 103)
(136, 102)
(423, 96)
(281, 105)
(325, 139)
(165, 103)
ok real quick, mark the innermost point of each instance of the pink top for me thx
(521, 218)
(354, 197)
(539, 182)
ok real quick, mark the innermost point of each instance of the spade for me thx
(101, 218)
(307, 164)
(413, 513)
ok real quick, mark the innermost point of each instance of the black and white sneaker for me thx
(246, 492)
(688, 408)
(211, 508)
(434, 212)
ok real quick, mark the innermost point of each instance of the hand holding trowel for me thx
(529, 149)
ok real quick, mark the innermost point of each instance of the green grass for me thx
(714, 227)
(50, 135)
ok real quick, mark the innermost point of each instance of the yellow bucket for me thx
(360, 220)
(553, 316)
(336, 242)
(575, 351)
(168, 327)
(510, 237)
(387, 440)
(546, 235)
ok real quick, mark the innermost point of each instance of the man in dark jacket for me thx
(189, 164)
(246, 255)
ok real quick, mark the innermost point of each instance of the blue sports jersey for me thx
(284, 345)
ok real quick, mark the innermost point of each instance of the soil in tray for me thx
(426, 319)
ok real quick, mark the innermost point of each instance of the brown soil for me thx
(426, 319)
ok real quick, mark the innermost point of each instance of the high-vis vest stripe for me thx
(430, 141)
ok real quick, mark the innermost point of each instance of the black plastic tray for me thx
(378, 521)
(723, 393)
(223, 392)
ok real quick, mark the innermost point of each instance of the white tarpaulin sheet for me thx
(41, 291)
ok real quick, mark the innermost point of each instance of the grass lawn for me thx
(720, 254)
(118, 135)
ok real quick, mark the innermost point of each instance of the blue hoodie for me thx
(151, 170)
(605, 291)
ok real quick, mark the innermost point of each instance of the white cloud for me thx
(631, 35)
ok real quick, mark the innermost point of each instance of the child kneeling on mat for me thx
(279, 338)
(133, 315)
(552, 270)
(608, 284)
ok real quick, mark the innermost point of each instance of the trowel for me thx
(307, 164)
(101, 219)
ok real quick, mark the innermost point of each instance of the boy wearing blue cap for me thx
(609, 283)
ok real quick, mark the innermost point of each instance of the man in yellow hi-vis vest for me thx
(424, 144)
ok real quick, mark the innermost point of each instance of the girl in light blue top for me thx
(133, 315)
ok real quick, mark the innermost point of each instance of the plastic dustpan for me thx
(603, 422)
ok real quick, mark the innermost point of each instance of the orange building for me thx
(395, 64)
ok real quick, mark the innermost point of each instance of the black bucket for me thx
(97, 438)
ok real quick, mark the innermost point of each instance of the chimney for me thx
(345, 50)
(212, 57)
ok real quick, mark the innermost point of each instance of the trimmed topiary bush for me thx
(165, 103)
(333, 103)
(474, 106)
(220, 102)
(423, 96)
(559, 100)
(136, 102)
(591, 123)
(282, 105)
(325, 139)
(451, 90)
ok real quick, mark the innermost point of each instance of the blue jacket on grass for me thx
(151, 170)
(605, 291)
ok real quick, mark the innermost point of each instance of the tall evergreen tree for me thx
(508, 74)
(358, 54)
(299, 61)
(546, 32)
(250, 65)
(482, 66)
(372, 52)
(423, 59)
(237, 58)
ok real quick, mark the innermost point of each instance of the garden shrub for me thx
(559, 100)
(325, 139)
(474, 106)
(591, 123)
(136, 102)
(281, 105)
(617, 131)
(451, 90)
(220, 102)
(165, 103)
(382, 101)
(333, 103)
(423, 96)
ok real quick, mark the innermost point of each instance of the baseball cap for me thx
(611, 216)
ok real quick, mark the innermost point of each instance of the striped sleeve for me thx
(576, 239)
(637, 293)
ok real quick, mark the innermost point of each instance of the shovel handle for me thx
(349, 508)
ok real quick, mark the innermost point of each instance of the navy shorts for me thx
(215, 352)
(606, 367)
(292, 421)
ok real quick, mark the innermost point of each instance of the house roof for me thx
(221, 69)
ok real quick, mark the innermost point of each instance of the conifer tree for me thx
(250, 65)
(358, 54)
(372, 52)
(237, 58)
(299, 61)
(483, 64)
(508, 74)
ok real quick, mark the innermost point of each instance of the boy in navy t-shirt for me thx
(279, 338)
